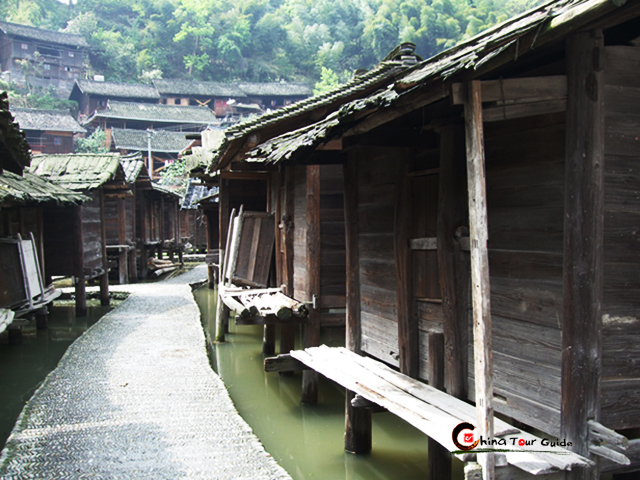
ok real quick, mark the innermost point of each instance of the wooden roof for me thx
(30, 188)
(40, 119)
(14, 147)
(135, 168)
(161, 141)
(249, 133)
(43, 35)
(114, 90)
(155, 112)
(79, 171)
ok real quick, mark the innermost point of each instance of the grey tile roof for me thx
(205, 89)
(38, 119)
(401, 58)
(195, 192)
(78, 171)
(134, 168)
(161, 141)
(154, 112)
(31, 188)
(117, 90)
(13, 145)
(276, 89)
(42, 35)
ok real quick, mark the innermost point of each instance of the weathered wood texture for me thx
(432, 411)
(92, 231)
(300, 254)
(311, 331)
(583, 227)
(353, 326)
(332, 234)
(525, 185)
(453, 264)
(402, 225)
(377, 175)
(255, 249)
(620, 385)
(480, 286)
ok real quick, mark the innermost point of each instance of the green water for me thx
(23, 367)
(308, 441)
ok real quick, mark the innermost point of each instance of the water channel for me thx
(24, 366)
(308, 441)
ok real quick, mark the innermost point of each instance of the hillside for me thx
(257, 40)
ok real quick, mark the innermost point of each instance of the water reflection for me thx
(308, 441)
(23, 367)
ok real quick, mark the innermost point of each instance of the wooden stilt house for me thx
(101, 178)
(491, 202)
(306, 202)
(23, 198)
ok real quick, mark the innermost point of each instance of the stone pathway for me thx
(135, 398)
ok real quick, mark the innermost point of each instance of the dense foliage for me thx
(257, 40)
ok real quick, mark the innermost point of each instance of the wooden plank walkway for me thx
(430, 410)
(134, 397)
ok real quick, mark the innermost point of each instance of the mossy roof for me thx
(78, 171)
(30, 188)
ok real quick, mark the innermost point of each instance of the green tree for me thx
(94, 143)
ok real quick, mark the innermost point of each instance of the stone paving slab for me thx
(135, 398)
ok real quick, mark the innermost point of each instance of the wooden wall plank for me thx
(582, 282)
(453, 264)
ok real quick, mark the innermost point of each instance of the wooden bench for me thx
(432, 411)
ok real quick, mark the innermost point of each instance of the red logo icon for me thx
(468, 438)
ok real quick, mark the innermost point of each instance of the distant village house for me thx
(54, 59)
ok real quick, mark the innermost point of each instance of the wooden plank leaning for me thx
(480, 289)
(221, 309)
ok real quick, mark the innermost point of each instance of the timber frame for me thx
(506, 267)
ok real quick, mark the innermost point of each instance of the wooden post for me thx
(104, 278)
(312, 325)
(583, 243)
(78, 254)
(480, 287)
(123, 264)
(407, 323)
(358, 429)
(453, 264)
(439, 457)
(269, 340)
(288, 332)
(144, 260)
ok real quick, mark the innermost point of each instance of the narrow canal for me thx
(24, 366)
(308, 441)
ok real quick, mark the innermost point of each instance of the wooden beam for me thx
(236, 175)
(583, 243)
(480, 288)
(283, 363)
(407, 322)
(311, 332)
(514, 90)
(453, 264)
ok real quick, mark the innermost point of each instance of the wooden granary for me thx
(491, 200)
